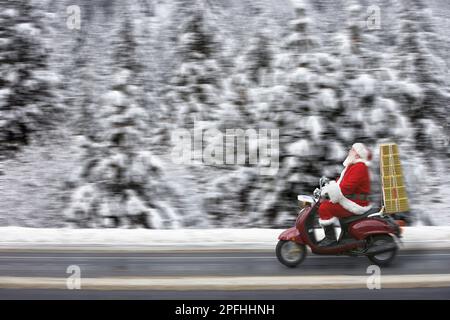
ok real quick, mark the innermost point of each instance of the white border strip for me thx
(230, 283)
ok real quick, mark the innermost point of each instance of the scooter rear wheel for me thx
(385, 258)
(290, 253)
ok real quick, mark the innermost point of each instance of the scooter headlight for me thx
(304, 201)
(304, 204)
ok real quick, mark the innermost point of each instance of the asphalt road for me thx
(210, 264)
(101, 265)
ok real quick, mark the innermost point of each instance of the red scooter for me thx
(371, 234)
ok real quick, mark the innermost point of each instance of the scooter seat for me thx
(359, 217)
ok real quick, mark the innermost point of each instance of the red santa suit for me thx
(349, 194)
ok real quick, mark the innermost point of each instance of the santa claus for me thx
(349, 195)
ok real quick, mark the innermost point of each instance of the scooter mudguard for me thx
(291, 234)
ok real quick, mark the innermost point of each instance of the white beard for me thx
(349, 160)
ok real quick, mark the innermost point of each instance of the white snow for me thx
(337, 151)
(115, 98)
(300, 148)
(411, 89)
(377, 115)
(303, 75)
(121, 77)
(27, 28)
(81, 200)
(242, 239)
(364, 85)
(47, 76)
(134, 205)
(4, 93)
(33, 186)
(10, 12)
(300, 4)
(327, 98)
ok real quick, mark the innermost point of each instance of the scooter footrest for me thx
(339, 247)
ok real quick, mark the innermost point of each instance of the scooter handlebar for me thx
(318, 194)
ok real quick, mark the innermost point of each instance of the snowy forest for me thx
(91, 92)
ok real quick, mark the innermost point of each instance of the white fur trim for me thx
(366, 162)
(336, 196)
(353, 207)
(333, 190)
(334, 221)
(342, 175)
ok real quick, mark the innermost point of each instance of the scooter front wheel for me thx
(290, 253)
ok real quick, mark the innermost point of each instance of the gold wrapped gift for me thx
(393, 184)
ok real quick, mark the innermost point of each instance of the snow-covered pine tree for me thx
(28, 104)
(228, 199)
(80, 85)
(420, 89)
(368, 93)
(285, 101)
(292, 103)
(358, 88)
(122, 184)
(250, 70)
(258, 56)
(193, 95)
(194, 89)
(291, 99)
(147, 49)
(424, 82)
(332, 102)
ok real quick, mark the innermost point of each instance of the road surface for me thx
(31, 267)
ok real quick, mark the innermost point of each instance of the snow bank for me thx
(219, 239)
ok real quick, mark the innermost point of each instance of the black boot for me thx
(330, 236)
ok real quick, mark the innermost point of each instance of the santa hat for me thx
(362, 151)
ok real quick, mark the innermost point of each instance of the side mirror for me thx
(317, 193)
